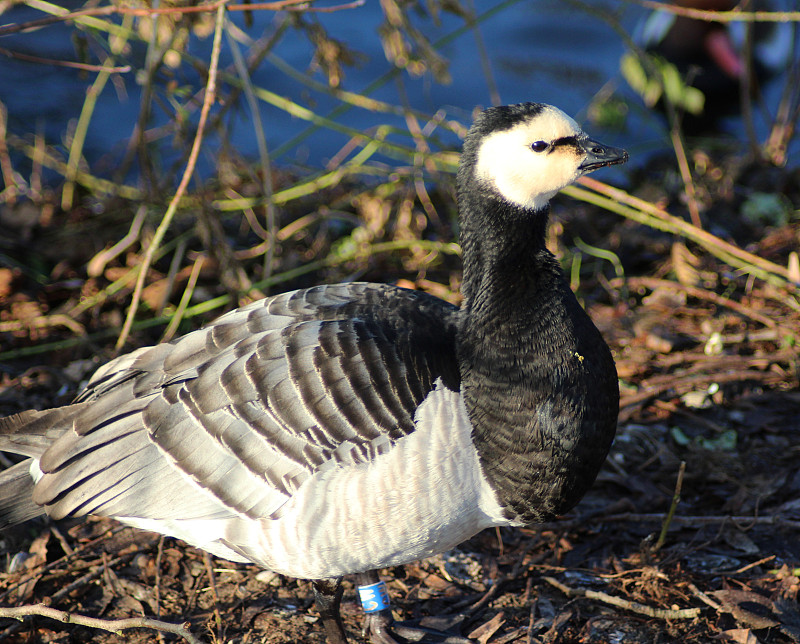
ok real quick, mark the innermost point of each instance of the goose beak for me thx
(599, 155)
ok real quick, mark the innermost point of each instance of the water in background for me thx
(543, 50)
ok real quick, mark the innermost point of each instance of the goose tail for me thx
(16, 495)
(29, 433)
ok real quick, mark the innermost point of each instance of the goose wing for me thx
(231, 419)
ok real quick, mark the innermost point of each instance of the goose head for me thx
(524, 154)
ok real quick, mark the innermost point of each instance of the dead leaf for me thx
(559, 624)
(685, 264)
(748, 607)
(26, 311)
(786, 610)
(38, 557)
(485, 631)
(794, 266)
(739, 636)
(547, 615)
(435, 582)
(6, 279)
(114, 273)
(735, 538)
(141, 593)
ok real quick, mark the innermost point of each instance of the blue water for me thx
(543, 50)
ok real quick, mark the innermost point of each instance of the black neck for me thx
(538, 380)
(508, 272)
(504, 248)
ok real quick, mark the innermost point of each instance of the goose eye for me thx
(539, 146)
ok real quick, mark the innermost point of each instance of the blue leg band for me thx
(374, 597)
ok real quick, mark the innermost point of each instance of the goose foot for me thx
(379, 628)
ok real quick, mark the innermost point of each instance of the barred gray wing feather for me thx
(230, 420)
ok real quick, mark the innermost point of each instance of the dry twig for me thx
(685, 521)
(658, 613)
(735, 15)
(653, 283)
(704, 598)
(111, 625)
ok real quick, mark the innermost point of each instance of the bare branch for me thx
(111, 625)
(721, 16)
(658, 613)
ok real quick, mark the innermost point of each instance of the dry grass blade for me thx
(84, 67)
(9, 194)
(686, 176)
(117, 44)
(100, 187)
(676, 498)
(263, 153)
(618, 201)
(176, 318)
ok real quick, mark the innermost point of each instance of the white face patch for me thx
(524, 177)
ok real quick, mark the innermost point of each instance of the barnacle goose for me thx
(344, 428)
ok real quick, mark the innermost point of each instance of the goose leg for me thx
(328, 597)
(380, 627)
